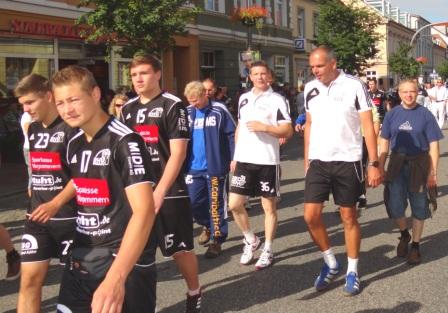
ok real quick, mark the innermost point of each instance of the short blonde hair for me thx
(194, 88)
(112, 109)
(408, 81)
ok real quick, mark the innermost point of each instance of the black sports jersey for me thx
(157, 121)
(50, 173)
(378, 100)
(114, 159)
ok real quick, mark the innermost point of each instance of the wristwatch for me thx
(374, 163)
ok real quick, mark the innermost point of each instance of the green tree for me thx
(351, 31)
(442, 69)
(146, 25)
(402, 64)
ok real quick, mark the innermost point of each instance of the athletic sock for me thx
(192, 293)
(415, 244)
(329, 258)
(405, 233)
(249, 235)
(267, 245)
(352, 265)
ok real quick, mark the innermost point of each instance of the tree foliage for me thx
(351, 31)
(442, 69)
(145, 25)
(403, 64)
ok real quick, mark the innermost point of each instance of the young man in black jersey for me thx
(48, 136)
(111, 266)
(162, 120)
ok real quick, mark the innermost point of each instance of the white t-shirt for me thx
(25, 119)
(335, 133)
(261, 148)
(440, 93)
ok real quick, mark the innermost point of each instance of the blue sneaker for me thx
(352, 284)
(326, 276)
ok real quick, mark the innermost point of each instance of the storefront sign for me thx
(45, 29)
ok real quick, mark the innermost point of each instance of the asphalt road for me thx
(388, 283)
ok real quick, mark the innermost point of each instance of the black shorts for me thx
(256, 180)
(174, 226)
(75, 294)
(42, 242)
(342, 179)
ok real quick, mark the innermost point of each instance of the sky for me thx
(432, 10)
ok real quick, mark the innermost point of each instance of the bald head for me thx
(323, 64)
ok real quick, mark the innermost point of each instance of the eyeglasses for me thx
(118, 105)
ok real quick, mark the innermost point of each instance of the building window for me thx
(245, 3)
(371, 74)
(280, 17)
(280, 68)
(300, 23)
(215, 5)
(315, 23)
(208, 65)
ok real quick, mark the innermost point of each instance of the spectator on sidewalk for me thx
(439, 98)
(211, 149)
(411, 133)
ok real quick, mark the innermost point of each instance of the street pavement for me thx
(388, 283)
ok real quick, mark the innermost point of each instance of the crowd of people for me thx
(109, 188)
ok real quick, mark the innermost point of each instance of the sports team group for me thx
(106, 191)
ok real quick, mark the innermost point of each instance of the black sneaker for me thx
(402, 248)
(193, 303)
(13, 260)
(414, 256)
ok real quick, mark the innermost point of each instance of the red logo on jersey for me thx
(92, 192)
(150, 133)
(45, 161)
(376, 101)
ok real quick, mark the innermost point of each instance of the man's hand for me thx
(282, 141)
(44, 212)
(232, 166)
(109, 296)
(159, 197)
(432, 181)
(374, 176)
(256, 126)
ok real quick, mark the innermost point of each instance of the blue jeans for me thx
(399, 194)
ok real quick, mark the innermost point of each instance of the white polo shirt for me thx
(335, 133)
(269, 108)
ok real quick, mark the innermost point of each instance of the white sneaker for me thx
(265, 260)
(248, 250)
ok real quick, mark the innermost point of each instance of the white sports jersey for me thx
(262, 148)
(335, 133)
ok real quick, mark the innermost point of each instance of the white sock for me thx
(267, 245)
(352, 265)
(329, 258)
(192, 293)
(249, 235)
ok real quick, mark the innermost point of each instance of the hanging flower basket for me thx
(250, 16)
(422, 60)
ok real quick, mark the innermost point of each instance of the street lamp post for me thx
(426, 26)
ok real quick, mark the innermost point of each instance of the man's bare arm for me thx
(178, 150)
(373, 173)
